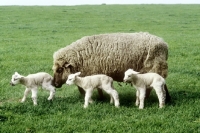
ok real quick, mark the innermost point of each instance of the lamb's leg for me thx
(52, 93)
(111, 99)
(50, 88)
(161, 95)
(100, 92)
(34, 95)
(115, 97)
(137, 102)
(88, 95)
(82, 92)
(113, 94)
(148, 92)
(25, 94)
(142, 97)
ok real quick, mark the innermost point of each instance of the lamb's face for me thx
(15, 79)
(70, 79)
(128, 77)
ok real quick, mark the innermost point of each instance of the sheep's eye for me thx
(15, 79)
(129, 76)
(60, 70)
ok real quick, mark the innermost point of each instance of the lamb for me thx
(89, 83)
(111, 54)
(142, 81)
(32, 82)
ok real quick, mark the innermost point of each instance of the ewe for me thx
(32, 82)
(143, 81)
(105, 54)
(89, 83)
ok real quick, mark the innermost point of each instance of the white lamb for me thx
(144, 81)
(89, 83)
(32, 82)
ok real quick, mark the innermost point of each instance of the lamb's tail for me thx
(168, 97)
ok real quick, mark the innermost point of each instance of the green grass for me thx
(30, 35)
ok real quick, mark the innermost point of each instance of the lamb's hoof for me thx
(85, 106)
(136, 104)
(50, 99)
(117, 106)
(91, 101)
(141, 107)
(161, 107)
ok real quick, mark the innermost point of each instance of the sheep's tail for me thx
(168, 97)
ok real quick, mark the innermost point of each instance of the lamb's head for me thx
(71, 78)
(61, 72)
(15, 79)
(129, 74)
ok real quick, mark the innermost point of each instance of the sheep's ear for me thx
(78, 73)
(66, 65)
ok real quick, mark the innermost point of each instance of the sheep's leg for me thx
(142, 97)
(88, 95)
(25, 94)
(137, 102)
(168, 97)
(34, 95)
(161, 95)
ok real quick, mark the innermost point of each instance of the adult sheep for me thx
(111, 54)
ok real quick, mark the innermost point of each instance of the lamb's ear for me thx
(78, 73)
(134, 72)
(16, 73)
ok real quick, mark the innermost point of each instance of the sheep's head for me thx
(71, 78)
(15, 79)
(61, 73)
(129, 74)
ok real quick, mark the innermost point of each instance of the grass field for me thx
(30, 35)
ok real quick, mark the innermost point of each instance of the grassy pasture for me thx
(30, 35)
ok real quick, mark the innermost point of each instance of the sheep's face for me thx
(71, 78)
(60, 74)
(15, 79)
